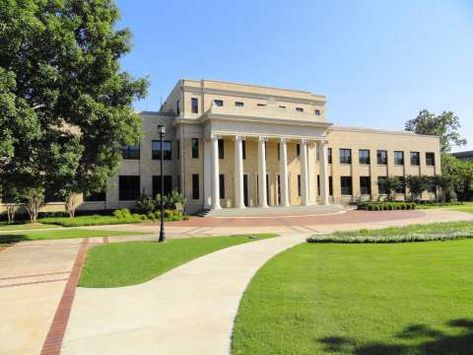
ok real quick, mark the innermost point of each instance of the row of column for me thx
(283, 171)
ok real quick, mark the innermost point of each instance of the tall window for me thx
(243, 148)
(195, 187)
(346, 185)
(221, 180)
(131, 151)
(317, 112)
(195, 148)
(195, 105)
(364, 156)
(218, 103)
(221, 149)
(401, 189)
(345, 156)
(330, 186)
(298, 150)
(178, 108)
(415, 158)
(157, 185)
(128, 187)
(365, 185)
(329, 155)
(298, 185)
(382, 185)
(156, 150)
(279, 151)
(430, 159)
(399, 158)
(382, 157)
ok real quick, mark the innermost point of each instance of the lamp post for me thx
(161, 132)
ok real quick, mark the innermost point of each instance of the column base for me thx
(216, 207)
(240, 206)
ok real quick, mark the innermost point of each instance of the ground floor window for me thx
(365, 185)
(382, 185)
(195, 187)
(401, 188)
(330, 185)
(128, 187)
(346, 185)
(95, 197)
(157, 185)
(298, 185)
(222, 185)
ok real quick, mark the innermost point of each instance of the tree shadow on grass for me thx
(12, 238)
(430, 341)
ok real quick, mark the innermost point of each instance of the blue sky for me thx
(378, 62)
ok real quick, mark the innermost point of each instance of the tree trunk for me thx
(71, 205)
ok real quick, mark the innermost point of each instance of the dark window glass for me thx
(52, 196)
(365, 185)
(243, 148)
(221, 149)
(128, 187)
(298, 150)
(178, 108)
(218, 103)
(239, 104)
(156, 150)
(299, 109)
(282, 106)
(401, 189)
(345, 156)
(415, 158)
(318, 185)
(330, 186)
(382, 185)
(195, 187)
(298, 185)
(346, 185)
(279, 152)
(157, 185)
(221, 179)
(432, 188)
(195, 105)
(95, 197)
(382, 157)
(131, 151)
(195, 148)
(329, 155)
(260, 105)
(399, 158)
(364, 156)
(317, 112)
(430, 159)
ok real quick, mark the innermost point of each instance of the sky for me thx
(378, 62)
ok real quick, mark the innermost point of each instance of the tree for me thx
(391, 184)
(445, 125)
(460, 174)
(444, 182)
(65, 106)
(417, 184)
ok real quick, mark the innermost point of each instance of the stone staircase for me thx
(276, 211)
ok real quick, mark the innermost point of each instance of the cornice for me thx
(379, 131)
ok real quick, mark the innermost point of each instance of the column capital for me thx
(215, 136)
(262, 139)
(239, 138)
(283, 140)
(303, 141)
(323, 141)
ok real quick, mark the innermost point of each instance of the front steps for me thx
(277, 211)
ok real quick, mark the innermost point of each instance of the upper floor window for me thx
(415, 158)
(317, 112)
(430, 159)
(243, 148)
(299, 109)
(221, 149)
(260, 105)
(364, 156)
(156, 150)
(131, 151)
(329, 151)
(382, 157)
(282, 106)
(195, 105)
(195, 148)
(298, 149)
(345, 156)
(218, 103)
(399, 158)
(239, 103)
(178, 107)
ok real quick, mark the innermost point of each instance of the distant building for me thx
(466, 156)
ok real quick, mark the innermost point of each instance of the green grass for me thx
(26, 226)
(123, 264)
(464, 207)
(413, 298)
(95, 220)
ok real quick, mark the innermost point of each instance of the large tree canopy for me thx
(65, 105)
(445, 125)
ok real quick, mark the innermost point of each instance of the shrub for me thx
(386, 206)
(122, 213)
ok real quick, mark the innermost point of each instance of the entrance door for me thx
(245, 189)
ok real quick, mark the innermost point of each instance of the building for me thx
(221, 138)
(466, 156)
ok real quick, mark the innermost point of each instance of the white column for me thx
(215, 174)
(238, 174)
(323, 161)
(207, 173)
(304, 174)
(262, 172)
(283, 173)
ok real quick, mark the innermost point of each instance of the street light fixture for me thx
(161, 132)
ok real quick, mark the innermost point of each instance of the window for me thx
(195, 148)
(195, 105)
(243, 148)
(432, 188)
(131, 151)
(218, 103)
(239, 103)
(221, 149)
(298, 150)
(317, 112)
(128, 187)
(261, 105)
(399, 158)
(298, 185)
(382, 185)
(346, 185)
(156, 150)
(195, 187)
(329, 155)
(365, 185)
(157, 185)
(221, 179)
(401, 189)
(415, 158)
(282, 106)
(430, 159)
(279, 151)
(178, 149)
(364, 156)
(299, 109)
(382, 157)
(95, 197)
(178, 108)
(345, 156)
(330, 186)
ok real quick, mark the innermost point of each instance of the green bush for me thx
(122, 213)
(386, 206)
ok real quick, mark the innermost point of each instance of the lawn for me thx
(26, 226)
(466, 207)
(410, 298)
(123, 264)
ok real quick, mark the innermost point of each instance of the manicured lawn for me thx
(26, 226)
(466, 207)
(123, 264)
(95, 220)
(412, 298)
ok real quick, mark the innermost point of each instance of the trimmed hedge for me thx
(386, 206)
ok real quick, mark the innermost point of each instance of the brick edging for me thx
(53, 342)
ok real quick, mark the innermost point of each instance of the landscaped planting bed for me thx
(386, 206)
